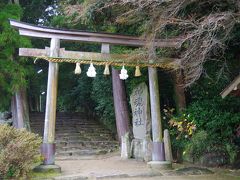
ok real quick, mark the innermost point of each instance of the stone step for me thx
(67, 127)
(96, 133)
(84, 143)
(72, 137)
(61, 117)
(41, 120)
(79, 141)
(76, 135)
(60, 114)
(80, 124)
(80, 147)
(85, 152)
(67, 139)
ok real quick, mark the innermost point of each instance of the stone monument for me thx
(141, 145)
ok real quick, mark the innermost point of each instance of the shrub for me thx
(220, 119)
(19, 150)
(182, 127)
(197, 145)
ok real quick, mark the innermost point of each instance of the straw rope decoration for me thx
(169, 65)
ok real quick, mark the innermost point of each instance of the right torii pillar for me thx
(158, 152)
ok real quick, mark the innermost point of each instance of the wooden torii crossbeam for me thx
(99, 58)
(56, 54)
(104, 38)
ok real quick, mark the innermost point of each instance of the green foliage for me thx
(217, 116)
(12, 69)
(182, 127)
(19, 150)
(197, 146)
(232, 151)
(33, 10)
(103, 97)
(75, 90)
(43, 175)
(216, 119)
(201, 143)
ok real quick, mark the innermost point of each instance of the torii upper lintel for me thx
(84, 36)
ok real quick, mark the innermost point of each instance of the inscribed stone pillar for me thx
(48, 147)
(141, 144)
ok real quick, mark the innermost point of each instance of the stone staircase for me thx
(76, 136)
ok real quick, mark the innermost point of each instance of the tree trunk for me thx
(22, 111)
(120, 104)
(14, 111)
(25, 109)
(179, 91)
(37, 102)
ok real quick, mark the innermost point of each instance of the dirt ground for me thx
(113, 167)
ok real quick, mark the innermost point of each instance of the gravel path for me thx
(113, 167)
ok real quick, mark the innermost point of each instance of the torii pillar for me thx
(158, 152)
(48, 146)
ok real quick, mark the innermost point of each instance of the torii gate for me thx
(55, 54)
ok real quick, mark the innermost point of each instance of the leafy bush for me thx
(197, 145)
(182, 128)
(232, 151)
(19, 150)
(201, 143)
(217, 120)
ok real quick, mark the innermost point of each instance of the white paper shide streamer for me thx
(78, 69)
(123, 75)
(91, 71)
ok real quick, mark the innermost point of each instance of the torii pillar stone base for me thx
(160, 165)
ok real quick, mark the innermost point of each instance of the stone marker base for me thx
(47, 168)
(160, 165)
(141, 149)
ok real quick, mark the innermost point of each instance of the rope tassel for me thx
(137, 72)
(78, 69)
(106, 70)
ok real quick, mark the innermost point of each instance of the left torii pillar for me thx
(48, 146)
